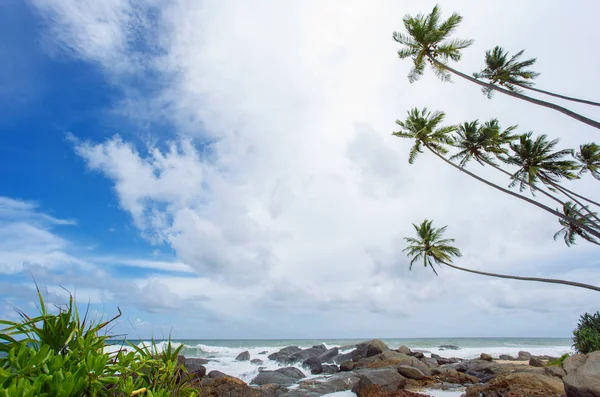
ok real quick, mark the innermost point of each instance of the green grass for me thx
(61, 354)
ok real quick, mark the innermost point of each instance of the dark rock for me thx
(320, 347)
(279, 378)
(347, 347)
(484, 370)
(194, 364)
(411, 372)
(291, 372)
(224, 385)
(290, 350)
(328, 355)
(524, 356)
(214, 374)
(257, 361)
(330, 369)
(263, 352)
(449, 347)
(453, 376)
(555, 371)
(392, 358)
(436, 356)
(313, 364)
(582, 377)
(430, 362)
(279, 357)
(418, 355)
(388, 379)
(272, 390)
(506, 357)
(347, 366)
(518, 384)
(304, 354)
(371, 348)
(536, 362)
(404, 350)
(485, 357)
(243, 356)
(340, 358)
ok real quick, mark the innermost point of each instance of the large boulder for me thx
(453, 376)
(392, 358)
(328, 355)
(304, 354)
(347, 366)
(524, 356)
(371, 348)
(520, 384)
(484, 370)
(536, 362)
(404, 350)
(582, 375)
(486, 357)
(243, 356)
(257, 361)
(313, 364)
(330, 369)
(343, 357)
(411, 372)
(387, 378)
(283, 355)
(217, 384)
(282, 376)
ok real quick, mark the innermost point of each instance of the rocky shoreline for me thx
(372, 369)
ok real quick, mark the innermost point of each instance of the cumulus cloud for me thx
(302, 197)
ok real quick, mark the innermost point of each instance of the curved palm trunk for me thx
(494, 87)
(568, 98)
(538, 279)
(527, 199)
(565, 191)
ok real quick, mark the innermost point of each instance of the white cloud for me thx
(303, 196)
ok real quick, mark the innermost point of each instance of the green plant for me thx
(586, 337)
(557, 361)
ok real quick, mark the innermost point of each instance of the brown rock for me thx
(404, 350)
(485, 357)
(583, 375)
(555, 371)
(347, 366)
(226, 386)
(536, 362)
(378, 391)
(371, 348)
(518, 385)
(453, 376)
(411, 372)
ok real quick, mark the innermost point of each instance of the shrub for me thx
(586, 337)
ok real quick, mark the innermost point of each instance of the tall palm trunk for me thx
(494, 87)
(565, 191)
(538, 279)
(527, 199)
(568, 98)
(583, 206)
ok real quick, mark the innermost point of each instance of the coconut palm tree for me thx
(511, 74)
(538, 162)
(482, 143)
(427, 41)
(589, 157)
(431, 247)
(423, 127)
(570, 231)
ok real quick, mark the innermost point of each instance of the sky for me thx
(228, 170)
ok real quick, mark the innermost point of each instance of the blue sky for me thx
(217, 179)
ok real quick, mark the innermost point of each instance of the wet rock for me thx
(330, 369)
(194, 364)
(582, 375)
(243, 356)
(392, 358)
(328, 355)
(448, 347)
(282, 376)
(536, 362)
(257, 361)
(263, 352)
(347, 366)
(340, 358)
(313, 364)
(453, 376)
(320, 347)
(520, 384)
(485, 357)
(289, 350)
(371, 348)
(283, 355)
(411, 372)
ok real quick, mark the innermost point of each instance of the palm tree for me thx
(589, 157)
(427, 41)
(433, 249)
(570, 230)
(538, 162)
(422, 126)
(482, 143)
(510, 74)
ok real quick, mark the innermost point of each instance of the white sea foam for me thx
(495, 351)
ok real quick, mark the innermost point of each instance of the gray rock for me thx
(320, 347)
(430, 362)
(340, 358)
(291, 372)
(404, 350)
(536, 362)
(199, 372)
(267, 377)
(582, 375)
(313, 364)
(524, 356)
(506, 357)
(194, 364)
(263, 352)
(347, 366)
(386, 378)
(299, 357)
(279, 357)
(371, 348)
(330, 369)
(555, 371)
(214, 374)
(328, 355)
(448, 347)
(257, 361)
(485, 357)
(290, 350)
(418, 355)
(411, 372)
(243, 356)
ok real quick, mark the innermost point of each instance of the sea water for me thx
(222, 353)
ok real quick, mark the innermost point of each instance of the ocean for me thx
(222, 353)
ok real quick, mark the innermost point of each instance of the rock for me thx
(313, 364)
(536, 362)
(304, 354)
(195, 364)
(520, 384)
(291, 372)
(388, 379)
(404, 350)
(524, 356)
(266, 377)
(198, 373)
(582, 377)
(320, 347)
(224, 385)
(263, 352)
(430, 362)
(328, 355)
(272, 390)
(347, 366)
(448, 347)
(451, 360)
(257, 361)
(555, 371)
(347, 347)
(418, 355)
(341, 381)
(243, 356)
(279, 357)
(484, 370)
(436, 356)
(506, 357)
(372, 348)
(392, 358)
(411, 372)
(453, 376)
(485, 357)
(340, 358)
(290, 350)
(364, 390)
(330, 369)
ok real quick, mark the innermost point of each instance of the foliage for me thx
(60, 354)
(557, 361)
(430, 246)
(586, 337)
(570, 230)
